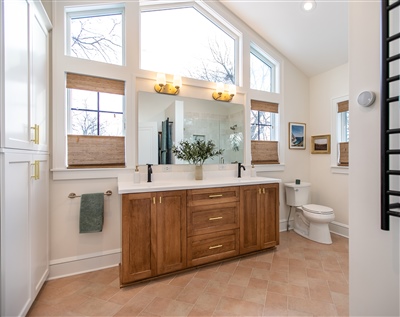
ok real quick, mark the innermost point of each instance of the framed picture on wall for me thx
(321, 144)
(297, 136)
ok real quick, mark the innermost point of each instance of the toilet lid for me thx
(318, 209)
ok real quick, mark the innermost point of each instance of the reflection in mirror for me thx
(165, 120)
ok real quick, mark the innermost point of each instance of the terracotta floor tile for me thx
(298, 278)
(237, 307)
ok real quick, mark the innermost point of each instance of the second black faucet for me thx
(240, 166)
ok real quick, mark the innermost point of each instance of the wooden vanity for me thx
(168, 229)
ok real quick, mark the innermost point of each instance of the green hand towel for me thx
(91, 213)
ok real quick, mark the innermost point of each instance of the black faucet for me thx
(240, 166)
(149, 172)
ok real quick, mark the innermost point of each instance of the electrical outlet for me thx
(167, 168)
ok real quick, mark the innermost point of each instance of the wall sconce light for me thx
(221, 95)
(161, 86)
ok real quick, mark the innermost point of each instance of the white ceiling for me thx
(313, 41)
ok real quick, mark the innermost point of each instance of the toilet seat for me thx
(318, 209)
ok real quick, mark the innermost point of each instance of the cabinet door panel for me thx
(138, 260)
(270, 216)
(171, 231)
(40, 224)
(16, 75)
(249, 219)
(15, 238)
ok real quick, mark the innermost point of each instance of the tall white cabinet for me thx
(24, 170)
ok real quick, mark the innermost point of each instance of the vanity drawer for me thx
(212, 218)
(205, 196)
(212, 247)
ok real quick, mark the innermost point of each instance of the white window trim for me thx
(267, 60)
(335, 127)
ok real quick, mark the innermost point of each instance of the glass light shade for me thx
(232, 90)
(177, 81)
(220, 88)
(161, 79)
(309, 5)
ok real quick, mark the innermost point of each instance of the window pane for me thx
(97, 37)
(83, 99)
(183, 41)
(264, 117)
(111, 102)
(260, 74)
(83, 122)
(111, 124)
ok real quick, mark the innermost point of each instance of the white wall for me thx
(374, 254)
(328, 188)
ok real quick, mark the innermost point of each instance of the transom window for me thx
(262, 71)
(96, 34)
(189, 42)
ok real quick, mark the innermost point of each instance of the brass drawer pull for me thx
(215, 247)
(214, 218)
(213, 196)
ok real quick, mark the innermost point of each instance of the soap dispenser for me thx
(136, 175)
(253, 171)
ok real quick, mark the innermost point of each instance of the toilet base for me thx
(315, 231)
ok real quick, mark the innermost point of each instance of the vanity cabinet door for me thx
(259, 217)
(153, 234)
(269, 215)
(138, 237)
(171, 231)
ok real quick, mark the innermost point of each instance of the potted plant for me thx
(196, 152)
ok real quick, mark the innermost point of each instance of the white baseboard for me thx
(84, 263)
(339, 228)
(334, 227)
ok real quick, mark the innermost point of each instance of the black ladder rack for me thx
(390, 112)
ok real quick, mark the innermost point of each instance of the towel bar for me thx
(73, 195)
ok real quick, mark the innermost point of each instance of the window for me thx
(262, 71)
(264, 144)
(96, 121)
(194, 44)
(343, 132)
(96, 34)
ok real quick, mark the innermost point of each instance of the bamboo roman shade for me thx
(264, 152)
(90, 151)
(344, 154)
(343, 147)
(264, 106)
(92, 83)
(343, 106)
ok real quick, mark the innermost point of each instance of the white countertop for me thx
(126, 187)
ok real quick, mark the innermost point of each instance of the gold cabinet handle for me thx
(154, 200)
(36, 170)
(160, 199)
(35, 129)
(213, 196)
(259, 190)
(215, 246)
(214, 218)
(263, 190)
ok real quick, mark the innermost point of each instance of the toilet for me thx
(310, 220)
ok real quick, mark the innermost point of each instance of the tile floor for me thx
(298, 278)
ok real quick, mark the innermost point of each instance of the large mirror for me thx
(165, 120)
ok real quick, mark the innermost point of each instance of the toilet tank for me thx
(297, 195)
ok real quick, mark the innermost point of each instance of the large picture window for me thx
(188, 42)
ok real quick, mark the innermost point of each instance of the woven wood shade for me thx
(264, 106)
(264, 152)
(91, 83)
(344, 154)
(343, 106)
(96, 151)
